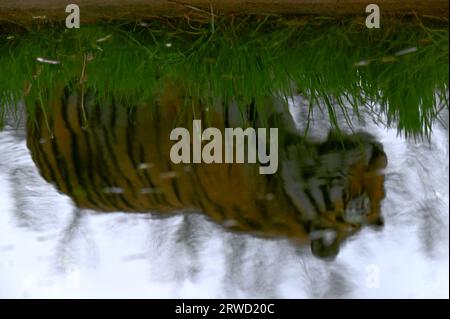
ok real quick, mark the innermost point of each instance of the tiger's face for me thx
(341, 193)
(323, 192)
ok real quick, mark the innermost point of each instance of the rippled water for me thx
(49, 248)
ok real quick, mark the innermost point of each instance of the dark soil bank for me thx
(94, 10)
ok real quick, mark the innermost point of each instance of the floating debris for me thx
(168, 45)
(39, 17)
(150, 190)
(167, 175)
(113, 190)
(406, 51)
(104, 38)
(11, 37)
(143, 166)
(48, 61)
(362, 63)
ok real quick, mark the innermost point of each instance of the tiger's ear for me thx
(378, 159)
(323, 250)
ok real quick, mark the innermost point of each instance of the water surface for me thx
(49, 248)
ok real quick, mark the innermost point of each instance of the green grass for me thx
(331, 62)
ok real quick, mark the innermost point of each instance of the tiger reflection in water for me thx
(322, 193)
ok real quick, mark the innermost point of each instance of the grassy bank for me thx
(403, 66)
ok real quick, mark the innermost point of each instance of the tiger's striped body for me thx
(121, 163)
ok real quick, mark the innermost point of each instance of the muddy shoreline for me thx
(27, 11)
